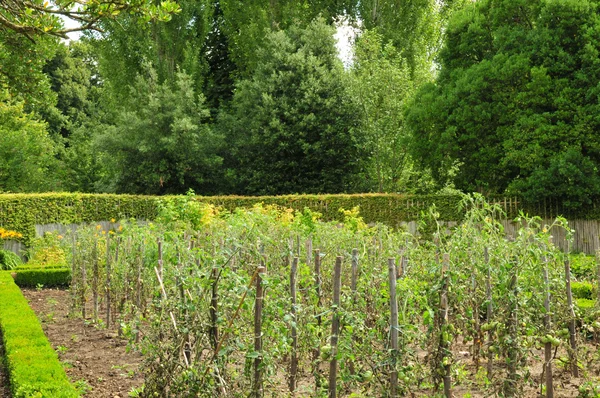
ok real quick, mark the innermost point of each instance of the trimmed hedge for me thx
(48, 277)
(33, 366)
(21, 212)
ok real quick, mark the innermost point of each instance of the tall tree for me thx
(381, 84)
(515, 104)
(26, 150)
(160, 141)
(292, 124)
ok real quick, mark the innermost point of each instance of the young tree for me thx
(381, 84)
(292, 125)
(515, 104)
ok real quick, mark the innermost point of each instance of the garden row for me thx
(254, 302)
(260, 301)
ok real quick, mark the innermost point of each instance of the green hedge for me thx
(47, 277)
(21, 212)
(33, 366)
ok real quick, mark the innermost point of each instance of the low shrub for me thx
(583, 290)
(33, 366)
(48, 277)
(583, 266)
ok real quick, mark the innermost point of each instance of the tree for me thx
(40, 17)
(381, 84)
(515, 103)
(292, 125)
(26, 150)
(160, 141)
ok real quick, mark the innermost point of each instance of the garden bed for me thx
(95, 359)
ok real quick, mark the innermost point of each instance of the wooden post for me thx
(83, 288)
(257, 387)
(393, 327)
(572, 329)
(294, 359)
(95, 279)
(490, 309)
(510, 384)
(160, 258)
(547, 369)
(335, 326)
(108, 280)
(354, 280)
(73, 288)
(317, 350)
(309, 250)
(214, 302)
(444, 344)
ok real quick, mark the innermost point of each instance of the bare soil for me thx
(95, 359)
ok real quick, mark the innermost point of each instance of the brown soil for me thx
(4, 387)
(98, 358)
(95, 359)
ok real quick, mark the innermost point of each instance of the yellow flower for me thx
(120, 228)
(59, 237)
(112, 220)
(98, 226)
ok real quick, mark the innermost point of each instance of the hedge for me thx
(21, 212)
(47, 277)
(33, 366)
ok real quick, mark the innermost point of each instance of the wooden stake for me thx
(444, 344)
(294, 359)
(490, 309)
(393, 327)
(83, 288)
(572, 329)
(257, 387)
(547, 369)
(95, 280)
(108, 280)
(354, 279)
(335, 326)
(214, 302)
(160, 257)
(317, 350)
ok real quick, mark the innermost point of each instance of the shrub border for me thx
(33, 366)
(47, 277)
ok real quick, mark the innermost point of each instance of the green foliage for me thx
(47, 277)
(9, 260)
(583, 290)
(583, 266)
(33, 366)
(514, 105)
(160, 141)
(21, 212)
(26, 151)
(292, 125)
(46, 252)
(381, 84)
